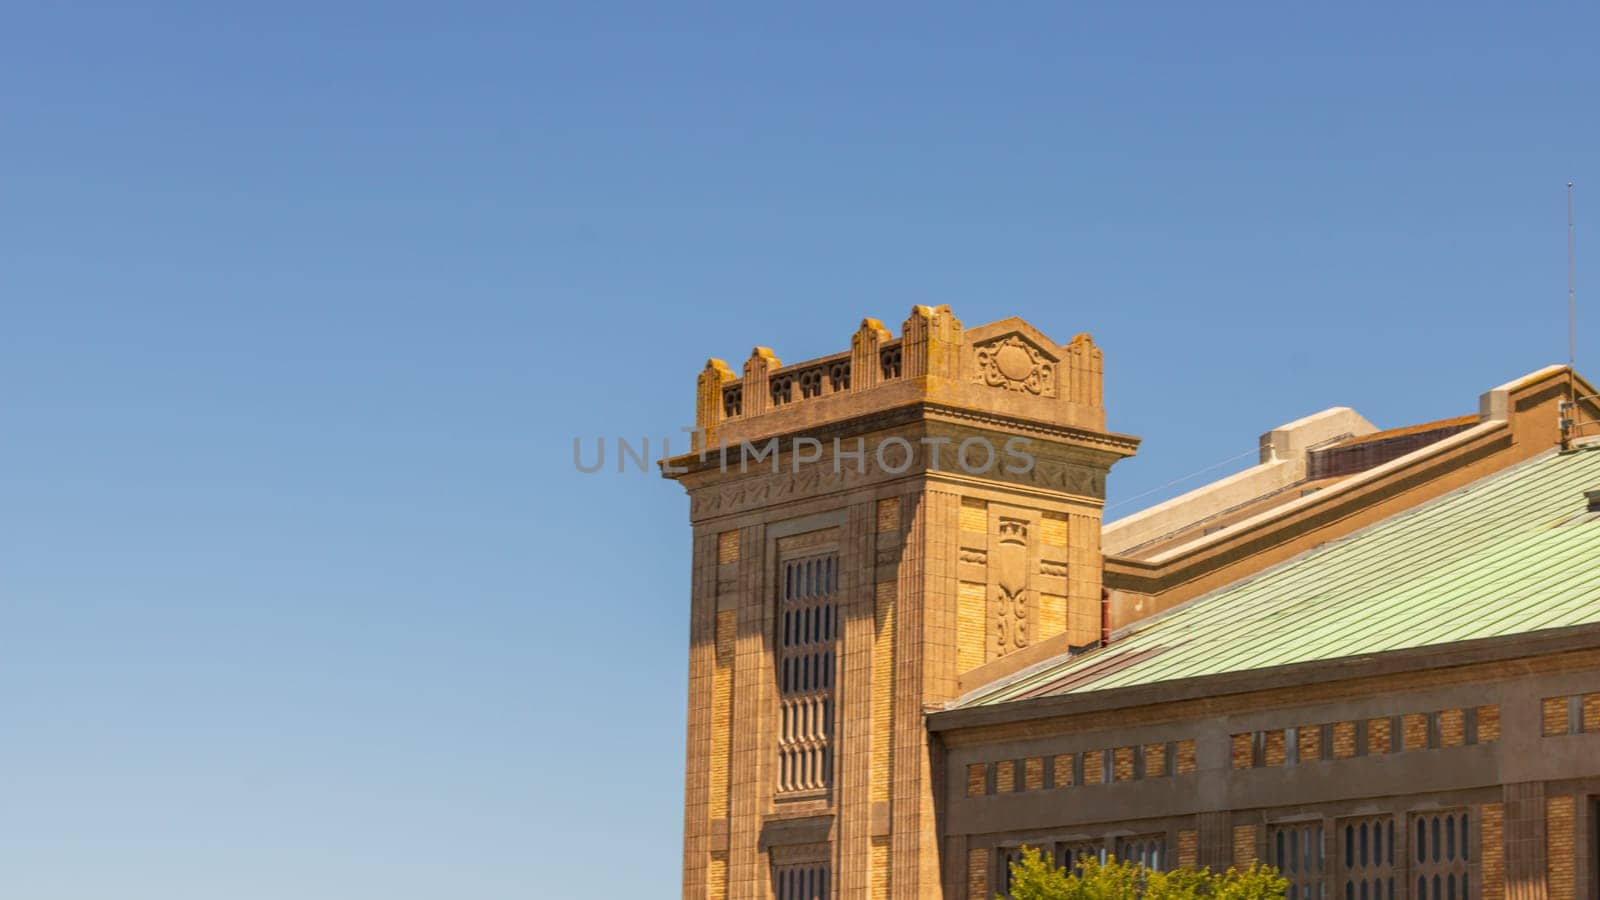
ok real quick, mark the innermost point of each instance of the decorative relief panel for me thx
(1016, 365)
(1010, 616)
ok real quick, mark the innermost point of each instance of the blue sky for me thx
(301, 308)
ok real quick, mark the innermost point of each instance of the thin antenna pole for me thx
(1572, 302)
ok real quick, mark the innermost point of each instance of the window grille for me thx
(1070, 855)
(808, 631)
(1295, 850)
(1148, 850)
(1366, 857)
(1440, 855)
(805, 881)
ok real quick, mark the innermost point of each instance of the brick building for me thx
(1372, 660)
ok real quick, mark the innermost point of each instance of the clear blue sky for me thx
(301, 308)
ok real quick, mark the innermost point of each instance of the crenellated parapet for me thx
(1006, 368)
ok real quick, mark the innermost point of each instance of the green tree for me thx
(1035, 878)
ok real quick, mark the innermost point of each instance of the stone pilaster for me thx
(702, 640)
(1525, 841)
(750, 781)
(858, 563)
(925, 648)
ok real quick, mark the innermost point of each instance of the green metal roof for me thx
(1511, 553)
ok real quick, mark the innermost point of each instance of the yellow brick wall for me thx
(717, 875)
(1033, 773)
(1488, 724)
(1591, 712)
(1053, 530)
(978, 874)
(977, 779)
(1308, 743)
(1094, 767)
(1452, 728)
(727, 547)
(1005, 776)
(1188, 848)
(1492, 831)
(1344, 740)
(1155, 760)
(1558, 847)
(1275, 753)
(883, 608)
(1122, 764)
(889, 514)
(1241, 754)
(1414, 731)
(974, 515)
(1244, 846)
(1186, 757)
(722, 711)
(1555, 715)
(1063, 766)
(1379, 740)
(971, 603)
(881, 872)
(1052, 615)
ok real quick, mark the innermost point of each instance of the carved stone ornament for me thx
(1016, 365)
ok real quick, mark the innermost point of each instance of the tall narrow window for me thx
(1440, 856)
(808, 630)
(1148, 850)
(1296, 851)
(1366, 857)
(805, 881)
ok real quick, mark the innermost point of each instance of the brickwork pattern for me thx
(1033, 773)
(978, 874)
(1452, 728)
(1186, 763)
(1005, 776)
(1379, 739)
(977, 779)
(1188, 855)
(1308, 743)
(974, 515)
(1063, 770)
(1554, 716)
(882, 689)
(1053, 530)
(1244, 846)
(889, 514)
(1488, 724)
(879, 889)
(1414, 728)
(1241, 753)
(1094, 767)
(1344, 740)
(972, 631)
(722, 713)
(1122, 764)
(1492, 856)
(1560, 851)
(1052, 615)
(1155, 760)
(1275, 752)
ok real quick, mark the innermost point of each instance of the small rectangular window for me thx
(803, 881)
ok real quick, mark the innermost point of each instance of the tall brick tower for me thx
(874, 532)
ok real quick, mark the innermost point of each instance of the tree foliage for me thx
(1035, 878)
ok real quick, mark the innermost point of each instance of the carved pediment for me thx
(1015, 363)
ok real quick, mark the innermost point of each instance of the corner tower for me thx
(869, 528)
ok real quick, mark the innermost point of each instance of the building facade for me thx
(1371, 659)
